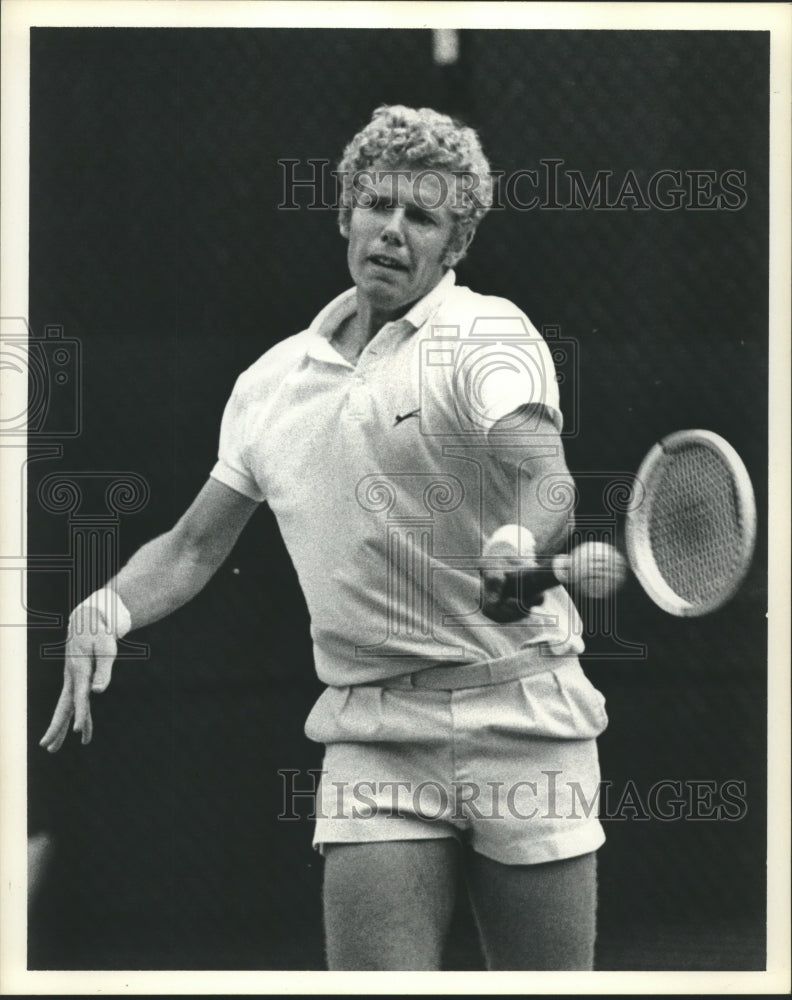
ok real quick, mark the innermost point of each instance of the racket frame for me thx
(639, 515)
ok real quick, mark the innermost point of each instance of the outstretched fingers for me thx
(88, 669)
(91, 648)
(82, 705)
(53, 739)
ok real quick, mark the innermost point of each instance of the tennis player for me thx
(409, 444)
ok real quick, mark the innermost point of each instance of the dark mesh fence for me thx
(157, 242)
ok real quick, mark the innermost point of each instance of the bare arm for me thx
(171, 569)
(162, 576)
(543, 479)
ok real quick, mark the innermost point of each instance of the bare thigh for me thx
(387, 905)
(535, 916)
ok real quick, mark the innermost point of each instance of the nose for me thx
(393, 231)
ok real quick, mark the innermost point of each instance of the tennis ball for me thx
(597, 568)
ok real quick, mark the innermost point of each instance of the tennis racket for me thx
(690, 531)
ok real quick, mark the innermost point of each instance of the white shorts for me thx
(510, 769)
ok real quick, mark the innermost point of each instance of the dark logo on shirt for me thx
(406, 416)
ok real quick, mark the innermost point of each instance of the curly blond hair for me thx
(398, 137)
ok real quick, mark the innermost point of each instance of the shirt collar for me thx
(429, 304)
(344, 305)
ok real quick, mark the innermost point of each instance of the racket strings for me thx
(695, 528)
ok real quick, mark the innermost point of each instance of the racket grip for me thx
(530, 584)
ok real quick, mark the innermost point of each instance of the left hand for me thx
(515, 546)
(500, 601)
(90, 650)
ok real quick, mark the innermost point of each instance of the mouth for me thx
(391, 263)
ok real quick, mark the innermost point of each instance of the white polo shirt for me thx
(385, 484)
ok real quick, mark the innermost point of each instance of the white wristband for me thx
(512, 540)
(110, 608)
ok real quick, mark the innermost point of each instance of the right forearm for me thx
(160, 577)
(168, 571)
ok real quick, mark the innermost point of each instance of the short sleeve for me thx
(508, 366)
(232, 468)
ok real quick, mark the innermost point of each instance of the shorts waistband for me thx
(473, 675)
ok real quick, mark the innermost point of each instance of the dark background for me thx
(156, 242)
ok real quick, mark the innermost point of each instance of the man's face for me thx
(399, 236)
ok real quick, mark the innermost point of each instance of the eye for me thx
(380, 204)
(370, 202)
(421, 217)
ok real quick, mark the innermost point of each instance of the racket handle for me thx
(530, 584)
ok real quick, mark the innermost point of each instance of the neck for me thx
(369, 320)
(354, 334)
(365, 323)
